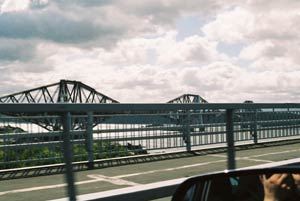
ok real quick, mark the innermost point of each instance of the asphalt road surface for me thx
(98, 180)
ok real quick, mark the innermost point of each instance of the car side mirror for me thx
(272, 184)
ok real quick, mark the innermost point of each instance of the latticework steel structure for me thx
(67, 91)
(188, 98)
(64, 91)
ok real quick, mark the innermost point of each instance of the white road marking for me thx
(169, 169)
(32, 189)
(252, 158)
(274, 153)
(219, 155)
(245, 158)
(256, 160)
(48, 187)
(113, 180)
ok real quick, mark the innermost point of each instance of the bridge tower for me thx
(65, 91)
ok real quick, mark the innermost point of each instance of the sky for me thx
(148, 51)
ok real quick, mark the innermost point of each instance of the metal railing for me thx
(41, 134)
(26, 140)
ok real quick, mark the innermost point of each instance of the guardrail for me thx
(40, 134)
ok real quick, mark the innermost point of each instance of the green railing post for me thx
(68, 156)
(255, 128)
(230, 139)
(89, 140)
(188, 132)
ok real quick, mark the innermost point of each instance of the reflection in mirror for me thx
(215, 189)
(262, 186)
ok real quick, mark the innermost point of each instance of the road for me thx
(97, 180)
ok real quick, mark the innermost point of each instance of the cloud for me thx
(14, 6)
(193, 50)
(59, 21)
(50, 25)
(263, 6)
(164, 50)
(90, 23)
(230, 26)
(24, 55)
(243, 24)
(265, 48)
(16, 50)
(130, 50)
(216, 76)
(268, 30)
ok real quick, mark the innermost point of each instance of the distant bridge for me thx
(188, 98)
(67, 91)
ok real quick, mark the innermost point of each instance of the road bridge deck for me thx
(54, 187)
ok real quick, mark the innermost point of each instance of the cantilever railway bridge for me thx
(67, 91)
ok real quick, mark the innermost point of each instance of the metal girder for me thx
(188, 98)
(197, 118)
(65, 91)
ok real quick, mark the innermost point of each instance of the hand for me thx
(273, 186)
(296, 178)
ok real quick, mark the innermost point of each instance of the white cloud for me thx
(275, 64)
(14, 5)
(268, 30)
(256, 50)
(230, 26)
(193, 50)
(162, 51)
(242, 24)
(129, 49)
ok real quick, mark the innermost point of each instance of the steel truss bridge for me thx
(75, 92)
(67, 91)
(188, 98)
